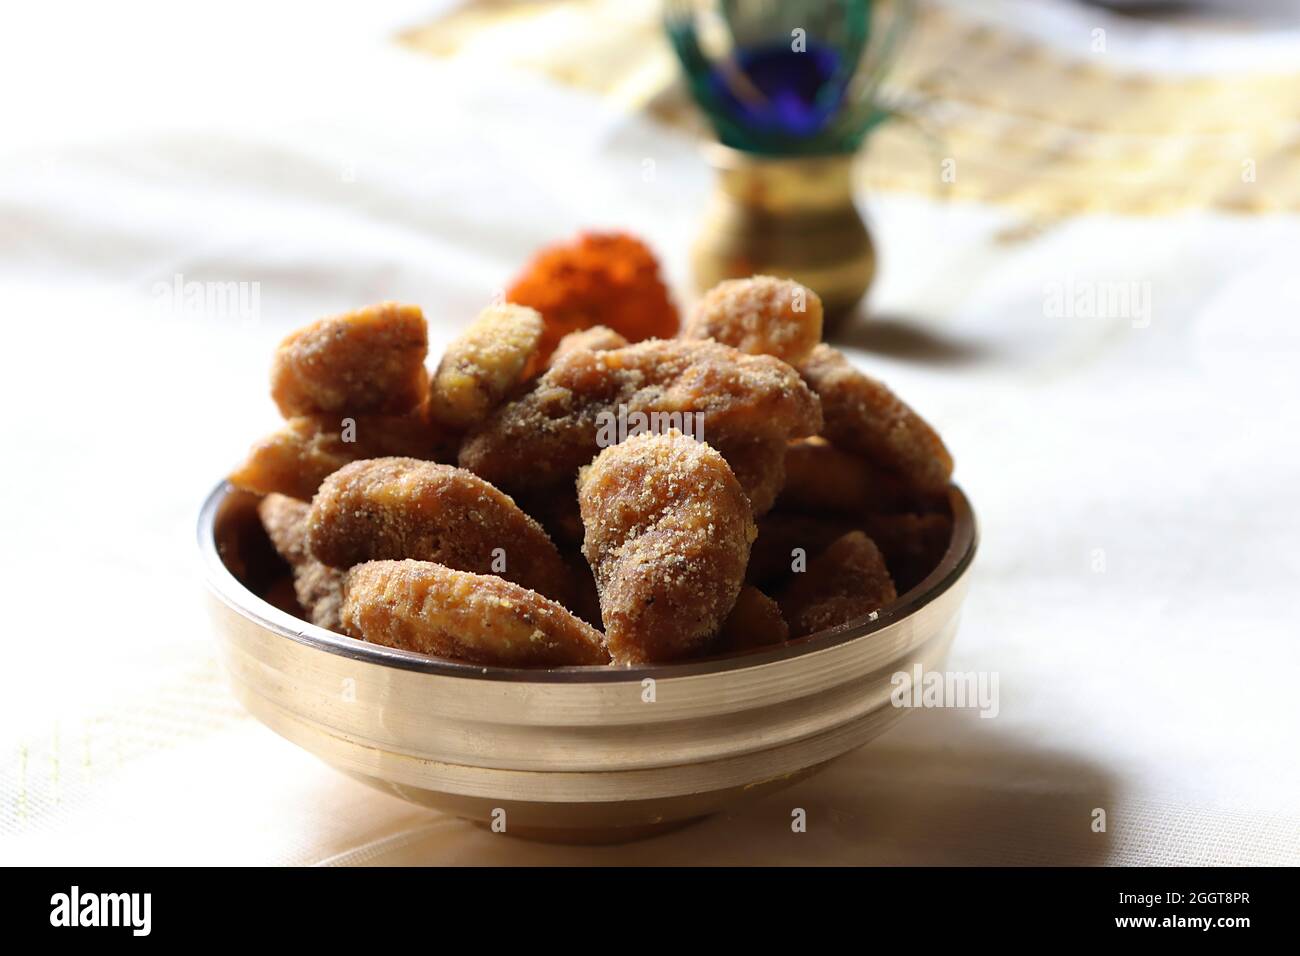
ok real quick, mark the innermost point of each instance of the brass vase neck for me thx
(784, 185)
(786, 216)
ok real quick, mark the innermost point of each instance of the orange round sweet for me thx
(609, 279)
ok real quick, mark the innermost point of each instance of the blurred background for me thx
(1084, 224)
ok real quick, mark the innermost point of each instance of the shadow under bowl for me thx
(568, 754)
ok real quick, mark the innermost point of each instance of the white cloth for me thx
(1134, 476)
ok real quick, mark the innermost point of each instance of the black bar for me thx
(336, 905)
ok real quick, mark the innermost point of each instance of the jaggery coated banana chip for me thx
(865, 417)
(787, 542)
(761, 315)
(318, 588)
(846, 581)
(297, 458)
(585, 602)
(598, 338)
(820, 478)
(281, 594)
(591, 399)
(759, 466)
(754, 622)
(913, 543)
(556, 510)
(668, 531)
(484, 364)
(394, 508)
(480, 618)
(367, 361)
(285, 521)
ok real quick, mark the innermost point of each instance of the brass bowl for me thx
(573, 754)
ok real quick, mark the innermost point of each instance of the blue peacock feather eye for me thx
(767, 92)
(786, 93)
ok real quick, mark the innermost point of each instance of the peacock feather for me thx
(788, 77)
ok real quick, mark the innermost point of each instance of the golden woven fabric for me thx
(1008, 119)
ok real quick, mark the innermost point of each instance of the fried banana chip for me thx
(586, 599)
(913, 544)
(484, 364)
(668, 530)
(556, 510)
(394, 508)
(598, 338)
(821, 478)
(318, 588)
(846, 581)
(759, 466)
(761, 315)
(754, 622)
(786, 541)
(285, 522)
(478, 618)
(588, 398)
(297, 458)
(281, 594)
(865, 417)
(370, 360)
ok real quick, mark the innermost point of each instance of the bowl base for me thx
(585, 824)
(595, 836)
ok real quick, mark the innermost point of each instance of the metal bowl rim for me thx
(232, 592)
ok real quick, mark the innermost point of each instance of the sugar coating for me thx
(598, 338)
(394, 508)
(761, 315)
(297, 458)
(543, 438)
(865, 417)
(755, 621)
(318, 588)
(484, 364)
(480, 618)
(847, 581)
(668, 531)
(370, 360)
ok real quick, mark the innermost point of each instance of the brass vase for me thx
(786, 216)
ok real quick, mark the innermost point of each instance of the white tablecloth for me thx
(1134, 475)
